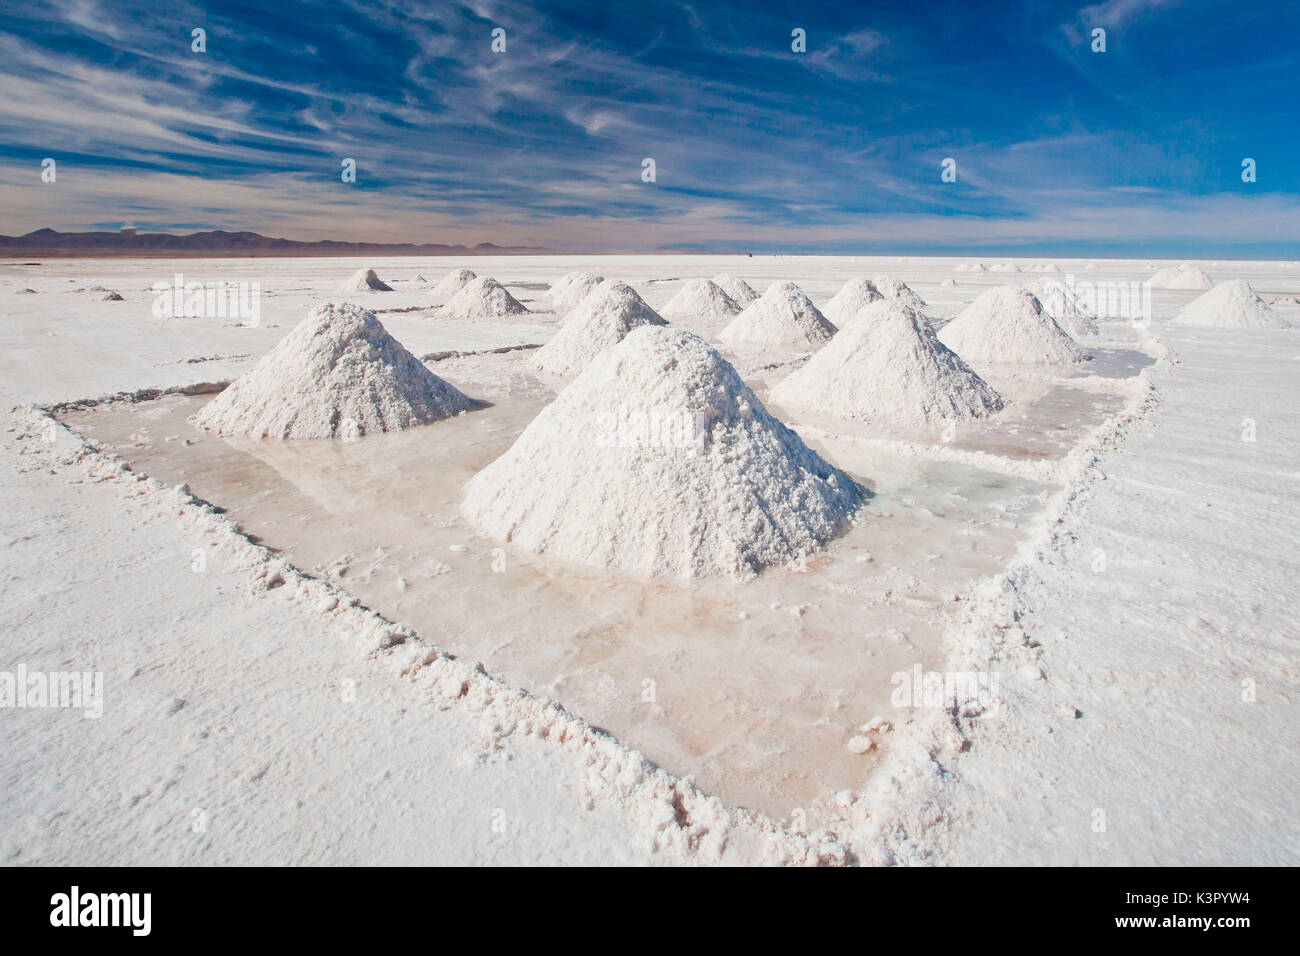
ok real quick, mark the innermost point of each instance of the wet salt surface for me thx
(752, 687)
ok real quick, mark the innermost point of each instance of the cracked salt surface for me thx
(756, 689)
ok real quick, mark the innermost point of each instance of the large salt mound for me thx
(1062, 304)
(899, 291)
(741, 292)
(782, 316)
(888, 367)
(571, 288)
(338, 372)
(852, 297)
(483, 298)
(1186, 277)
(1230, 305)
(364, 280)
(701, 297)
(453, 282)
(659, 460)
(1007, 324)
(602, 319)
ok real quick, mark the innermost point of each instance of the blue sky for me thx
(1137, 150)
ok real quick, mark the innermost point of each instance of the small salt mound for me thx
(948, 283)
(703, 298)
(453, 282)
(978, 267)
(338, 372)
(1230, 305)
(888, 367)
(781, 317)
(1007, 324)
(482, 298)
(899, 291)
(1185, 276)
(601, 320)
(1049, 267)
(853, 296)
(25, 292)
(658, 460)
(1062, 304)
(1005, 267)
(113, 297)
(741, 292)
(364, 280)
(572, 288)
(420, 278)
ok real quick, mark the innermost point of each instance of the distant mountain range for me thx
(218, 243)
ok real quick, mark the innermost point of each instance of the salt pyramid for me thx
(1062, 304)
(602, 319)
(851, 298)
(1185, 276)
(948, 283)
(364, 280)
(572, 288)
(453, 282)
(482, 298)
(899, 291)
(741, 292)
(658, 460)
(1007, 324)
(979, 267)
(782, 317)
(420, 278)
(1230, 305)
(1004, 267)
(888, 367)
(701, 297)
(338, 372)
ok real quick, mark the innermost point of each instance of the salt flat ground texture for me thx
(1141, 548)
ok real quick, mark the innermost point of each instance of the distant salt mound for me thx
(338, 372)
(853, 296)
(703, 298)
(1230, 305)
(453, 282)
(113, 297)
(482, 298)
(602, 319)
(888, 367)
(1186, 276)
(364, 280)
(741, 292)
(420, 278)
(899, 291)
(658, 460)
(25, 292)
(978, 267)
(1284, 300)
(1004, 267)
(1064, 305)
(572, 288)
(782, 317)
(1007, 325)
(948, 283)
(1049, 267)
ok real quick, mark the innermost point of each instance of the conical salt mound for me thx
(571, 288)
(601, 320)
(482, 298)
(1007, 324)
(338, 372)
(1062, 304)
(783, 317)
(420, 278)
(701, 297)
(887, 367)
(1185, 277)
(453, 282)
(364, 280)
(899, 291)
(850, 300)
(1230, 305)
(741, 292)
(1004, 267)
(659, 460)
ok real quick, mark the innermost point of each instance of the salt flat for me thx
(740, 711)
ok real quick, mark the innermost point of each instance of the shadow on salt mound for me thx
(782, 317)
(602, 319)
(898, 291)
(658, 460)
(337, 373)
(740, 291)
(363, 280)
(886, 366)
(1061, 302)
(1230, 305)
(1007, 325)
